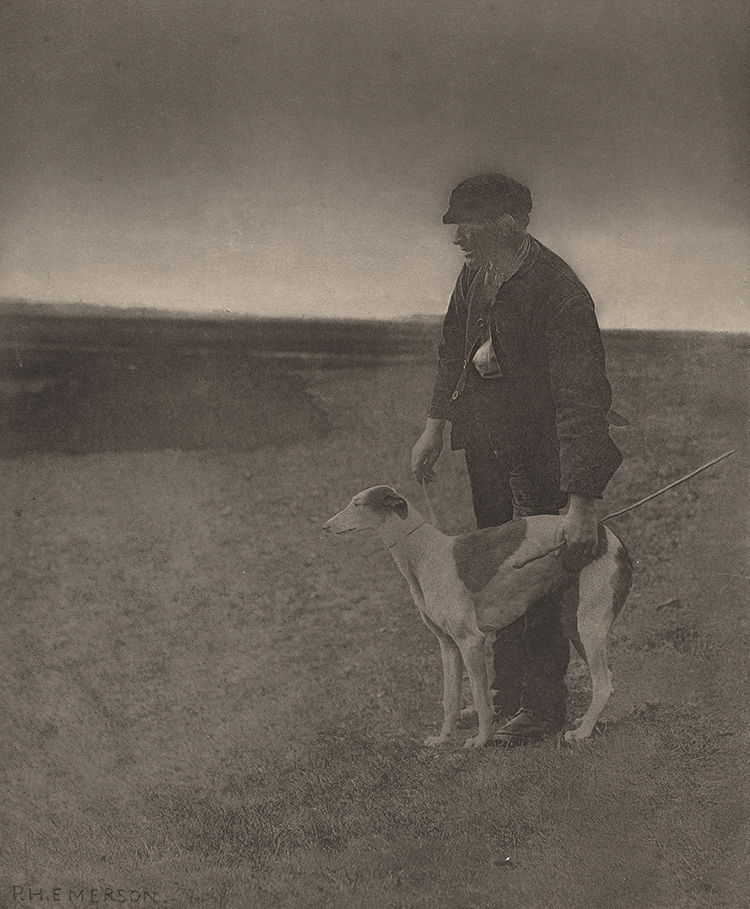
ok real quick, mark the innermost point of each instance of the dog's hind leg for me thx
(595, 644)
(603, 587)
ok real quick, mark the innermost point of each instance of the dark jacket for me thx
(553, 389)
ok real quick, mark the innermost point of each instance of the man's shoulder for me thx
(554, 273)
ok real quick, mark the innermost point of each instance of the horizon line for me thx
(78, 308)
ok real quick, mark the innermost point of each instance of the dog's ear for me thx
(398, 504)
(617, 419)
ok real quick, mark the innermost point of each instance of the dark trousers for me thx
(531, 655)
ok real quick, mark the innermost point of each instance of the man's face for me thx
(478, 240)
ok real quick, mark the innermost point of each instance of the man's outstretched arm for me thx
(429, 445)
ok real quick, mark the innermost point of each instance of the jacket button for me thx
(454, 396)
(480, 322)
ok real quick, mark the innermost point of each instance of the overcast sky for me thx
(295, 156)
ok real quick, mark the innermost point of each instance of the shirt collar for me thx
(498, 276)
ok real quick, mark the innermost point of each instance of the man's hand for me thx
(580, 531)
(427, 450)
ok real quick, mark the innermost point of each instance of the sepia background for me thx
(205, 700)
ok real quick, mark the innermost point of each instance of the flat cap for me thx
(486, 197)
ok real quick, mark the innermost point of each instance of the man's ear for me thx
(507, 225)
(398, 504)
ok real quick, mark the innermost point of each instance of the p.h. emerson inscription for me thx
(88, 896)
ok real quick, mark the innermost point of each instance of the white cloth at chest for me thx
(485, 359)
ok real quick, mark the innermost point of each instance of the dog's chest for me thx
(444, 600)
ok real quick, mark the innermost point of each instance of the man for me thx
(521, 378)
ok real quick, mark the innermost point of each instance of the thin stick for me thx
(433, 516)
(541, 555)
(616, 514)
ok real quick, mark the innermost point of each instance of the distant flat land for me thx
(44, 328)
(78, 378)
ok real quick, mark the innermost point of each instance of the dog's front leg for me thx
(473, 653)
(451, 657)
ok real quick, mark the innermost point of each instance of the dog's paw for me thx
(575, 735)
(476, 741)
(432, 741)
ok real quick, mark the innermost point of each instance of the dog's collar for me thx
(403, 537)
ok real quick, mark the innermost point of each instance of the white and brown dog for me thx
(469, 586)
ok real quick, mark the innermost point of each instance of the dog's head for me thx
(368, 510)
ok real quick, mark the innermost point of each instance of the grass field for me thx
(206, 702)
